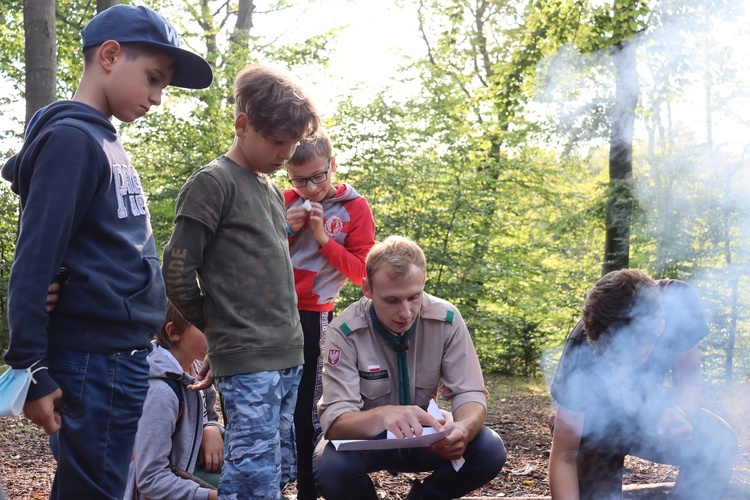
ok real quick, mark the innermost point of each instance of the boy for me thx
(84, 211)
(178, 427)
(230, 231)
(385, 357)
(610, 389)
(331, 230)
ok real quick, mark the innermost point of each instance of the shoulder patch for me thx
(352, 320)
(334, 356)
(449, 316)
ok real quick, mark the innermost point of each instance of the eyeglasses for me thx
(319, 178)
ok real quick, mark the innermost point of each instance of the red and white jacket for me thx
(321, 272)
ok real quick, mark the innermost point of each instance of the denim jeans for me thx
(103, 398)
(343, 475)
(259, 451)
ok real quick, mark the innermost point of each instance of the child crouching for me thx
(178, 430)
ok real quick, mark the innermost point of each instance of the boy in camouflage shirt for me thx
(230, 232)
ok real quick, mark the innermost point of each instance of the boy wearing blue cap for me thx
(84, 211)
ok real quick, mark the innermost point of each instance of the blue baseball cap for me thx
(128, 23)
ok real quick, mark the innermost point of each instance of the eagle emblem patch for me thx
(334, 225)
(334, 355)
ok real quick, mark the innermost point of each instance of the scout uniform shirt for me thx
(360, 368)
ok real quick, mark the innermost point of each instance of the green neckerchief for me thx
(404, 391)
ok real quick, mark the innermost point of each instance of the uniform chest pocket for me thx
(426, 385)
(373, 390)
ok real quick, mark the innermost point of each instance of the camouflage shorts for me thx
(259, 450)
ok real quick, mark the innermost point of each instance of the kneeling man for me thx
(384, 359)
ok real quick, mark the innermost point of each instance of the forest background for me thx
(528, 146)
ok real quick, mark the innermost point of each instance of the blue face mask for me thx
(14, 384)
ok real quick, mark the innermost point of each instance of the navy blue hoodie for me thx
(83, 209)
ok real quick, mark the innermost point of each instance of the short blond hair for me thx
(274, 103)
(397, 251)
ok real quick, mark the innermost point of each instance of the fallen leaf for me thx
(524, 471)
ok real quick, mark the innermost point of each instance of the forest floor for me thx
(518, 412)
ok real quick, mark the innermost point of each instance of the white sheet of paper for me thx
(428, 437)
(391, 442)
(434, 410)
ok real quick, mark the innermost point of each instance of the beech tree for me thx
(41, 64)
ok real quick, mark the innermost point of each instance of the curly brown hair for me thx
(273, 103)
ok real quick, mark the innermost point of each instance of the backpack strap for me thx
(177, 388)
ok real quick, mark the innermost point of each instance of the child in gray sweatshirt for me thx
(181, 431)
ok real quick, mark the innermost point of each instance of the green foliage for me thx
(455, 168)
(502, 387)
(497, 167)
(11, 70)
(493, 230)
(191, 128)
(186, 143)
(8, 230)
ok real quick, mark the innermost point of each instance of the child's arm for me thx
(212, 448)
(674, 423)
(55, 201)
(686, 374)
(183, 255)
(43, 411)
(349, 258)
(563, 469)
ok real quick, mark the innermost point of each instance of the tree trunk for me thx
(241, 34)
(620, 197)
(245, 15)
(239, 48)
(39, 53)
(731, 273)
(102, 5)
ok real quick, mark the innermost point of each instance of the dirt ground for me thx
(27, 467)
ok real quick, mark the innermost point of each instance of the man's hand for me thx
(43, 411)
(211, 451)
(452, 446)
(296, 217)
(401, 421)
(205, 379)
(673, 426)
(407, 421)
